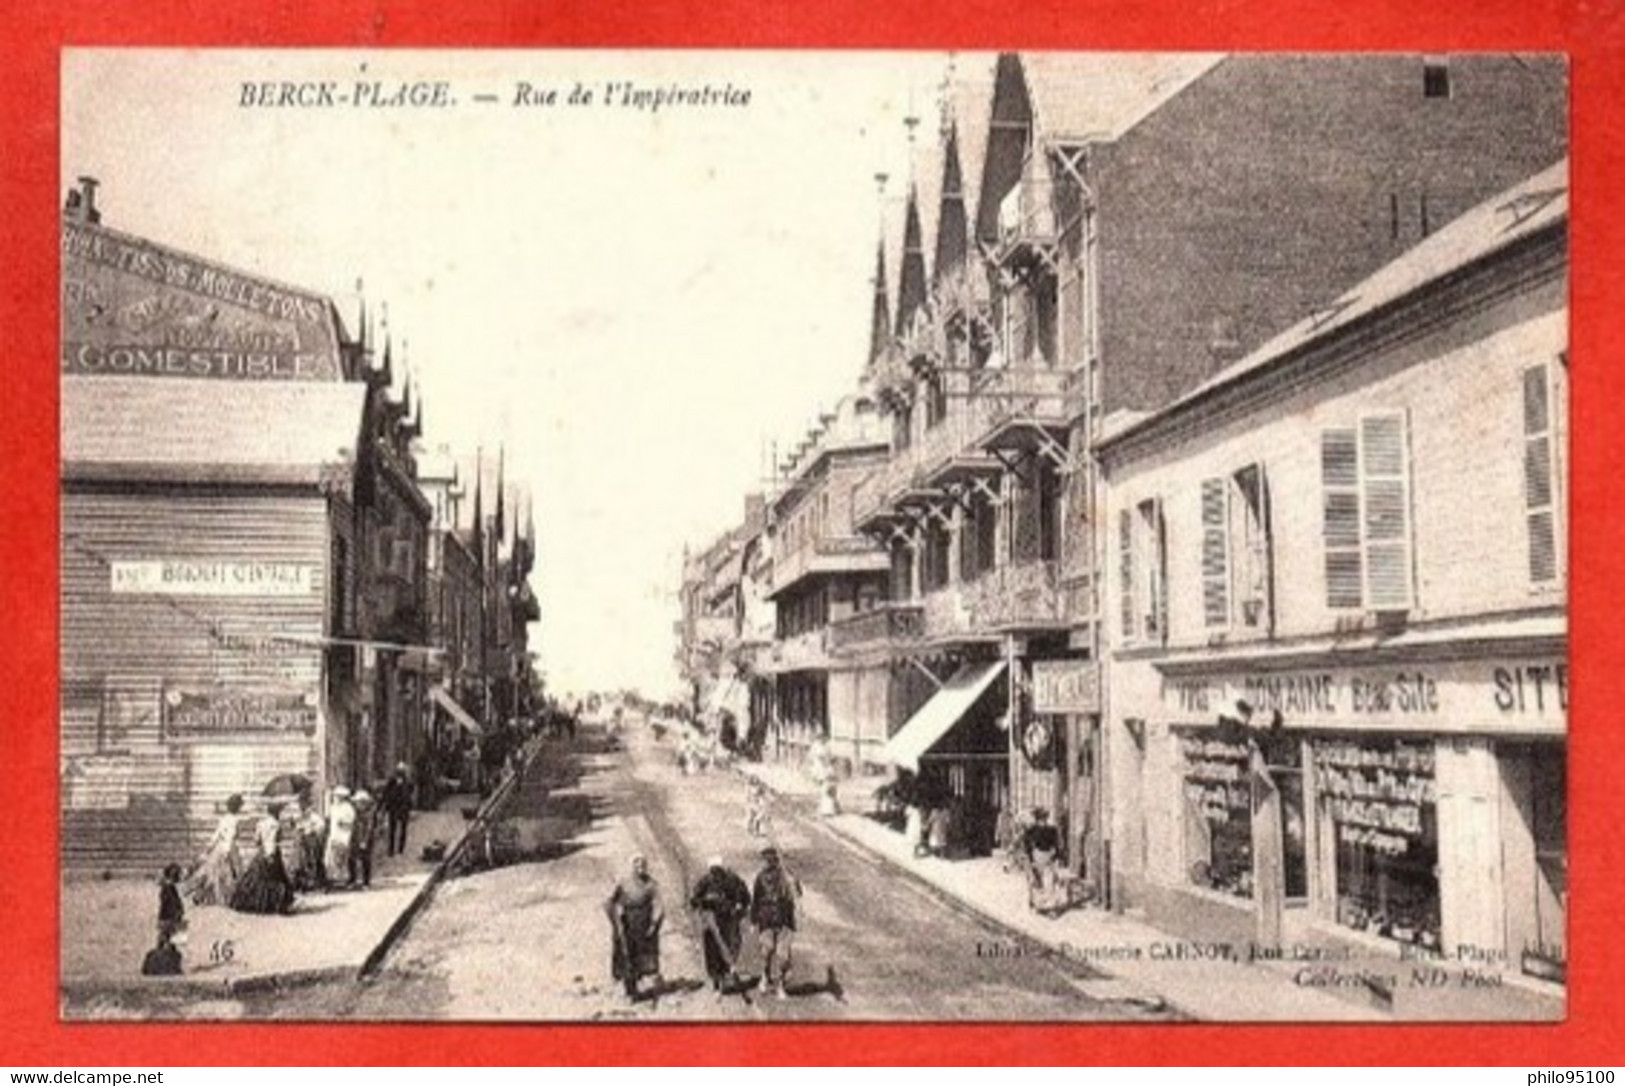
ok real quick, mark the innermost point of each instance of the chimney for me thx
(1223, 341)
(81, 202)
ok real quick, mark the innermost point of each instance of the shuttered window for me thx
(1125, 570)
(1385, 495)
(1340, 484)
(1254, 569)
(1153, 596)
(1539, 486)
(1365, 480)
(1216, 552)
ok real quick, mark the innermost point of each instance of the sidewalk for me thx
(108, 925)
(1142, 962)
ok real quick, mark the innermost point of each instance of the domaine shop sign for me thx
(173, 577)
(1487, 695)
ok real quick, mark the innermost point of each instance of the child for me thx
(163, 960)
(171, 911)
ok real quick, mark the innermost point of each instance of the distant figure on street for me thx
(938, 829)
(362, 838)
(721, 897)
(635, 917)
(1042, 843)
(340, 831)
(311, 874)
(773, 913)
(218, 868)
(757, 802)
(171, 910)
(397, 800)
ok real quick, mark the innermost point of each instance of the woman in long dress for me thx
(218, 868)
(264, 887)
(636, 915)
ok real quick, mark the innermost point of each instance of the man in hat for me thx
(773, 912)
(397, 803)
(361, 838)
(721, 897)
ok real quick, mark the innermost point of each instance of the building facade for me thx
(1338, 689)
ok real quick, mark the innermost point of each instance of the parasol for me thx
(287, 784)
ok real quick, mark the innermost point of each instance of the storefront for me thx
(197, 591)
(1419, 807)
(1057, 761)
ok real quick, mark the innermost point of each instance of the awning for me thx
(936, 717)
(457, 712)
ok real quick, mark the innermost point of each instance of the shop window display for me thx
(1218, 814)
(1380, 799)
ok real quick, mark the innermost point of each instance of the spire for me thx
(501, 522)
(479, 508)
(911, 283)
(880, 321)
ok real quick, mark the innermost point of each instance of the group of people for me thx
(722, 902)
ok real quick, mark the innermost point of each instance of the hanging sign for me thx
(1066, 686)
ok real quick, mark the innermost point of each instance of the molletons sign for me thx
(131, 308)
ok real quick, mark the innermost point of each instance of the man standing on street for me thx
(398, 807)
(721, 897)
(773, 912)
(635, 918)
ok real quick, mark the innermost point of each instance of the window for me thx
(1236, 550)
(1365, 480)
(936, 399)
(1142, 564)
(1539, 476)
(901, 424)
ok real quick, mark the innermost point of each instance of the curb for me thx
(420, 900)
(205, 988)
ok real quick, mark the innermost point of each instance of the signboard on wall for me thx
(191, 713)
(1066, 686)
(1526, 695)
(132, 308)
(191, 577)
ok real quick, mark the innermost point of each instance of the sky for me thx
(636, 304)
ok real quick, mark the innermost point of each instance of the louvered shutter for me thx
(1339, 477)
(1156, 613)
(1125, 570)
(1540, 502)
(1215, 552)
(1385, 520)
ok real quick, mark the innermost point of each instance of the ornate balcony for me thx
(1028, 225)
(1002, 600)
(807, 651)
(889, 624)
(830, 555)
(1026, 407)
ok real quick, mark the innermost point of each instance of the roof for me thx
(1537, 204)
(1089, 96)
(928, 163)
(973, 115)
(129, 428)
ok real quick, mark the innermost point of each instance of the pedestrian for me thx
(635, 917)
(340, 830)
(311, 872)
(1042, 844)
(361, 839)
(721, 898)
(773, 913)
(171, 910)
(264, 887)
(756, 808)
(397, 800)
(938, 827)
(163, 960)
(212, 882)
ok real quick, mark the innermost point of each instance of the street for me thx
(529, 941)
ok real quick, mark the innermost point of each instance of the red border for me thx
(1591, 31)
